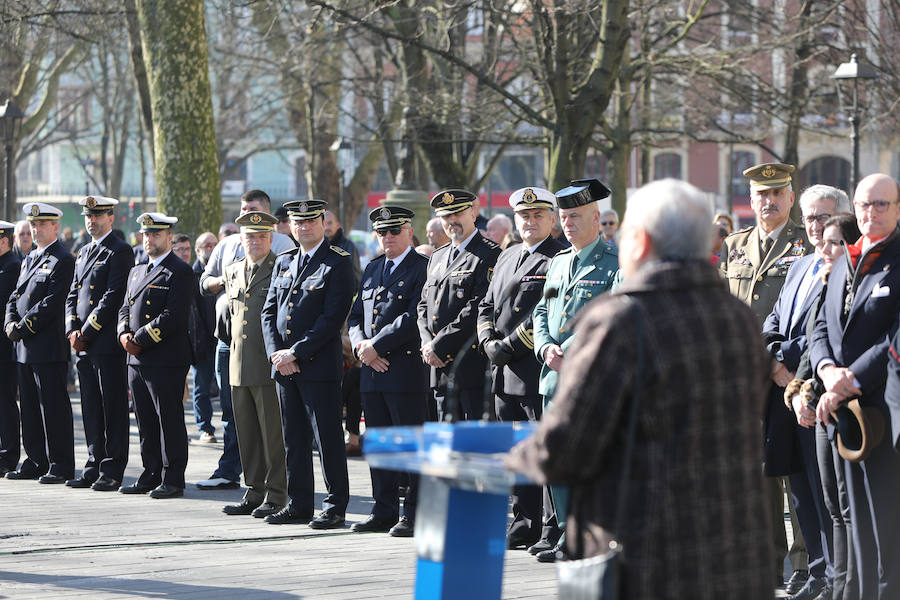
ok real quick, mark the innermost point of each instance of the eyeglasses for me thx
(878, 205)
(392, 231)
(820, 219)
(605, 223)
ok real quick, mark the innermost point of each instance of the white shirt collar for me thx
(103, 237)
(531, 249)
(42, 251)
(155, 262)
(463, 244)
(313, 251)
(400, 258)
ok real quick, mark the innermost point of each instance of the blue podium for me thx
(463, 500)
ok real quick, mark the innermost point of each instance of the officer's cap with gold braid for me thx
(448, 202)
(6, 226)
(97, 205)
(390, 216)
(38, 211)
(532, 197)
(581, 192)
(154, 221)
(769, 176)
(303, 210)
(256, 221)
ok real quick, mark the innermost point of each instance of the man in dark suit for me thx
(35, 316)
(785, 334)
(92, 310)
(458, 277)
(506, 334)
(205, 344)
(9, 410)
(858, 319)
(307, 303)
(385, 338)
(153, 330)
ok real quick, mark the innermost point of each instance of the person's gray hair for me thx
(676, 216)
(609, 211)
(434, 223)
(502, 220)
(821, 191)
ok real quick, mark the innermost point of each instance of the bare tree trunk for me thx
(173, 33)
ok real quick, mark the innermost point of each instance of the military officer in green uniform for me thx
(755, 262)
(576, 276)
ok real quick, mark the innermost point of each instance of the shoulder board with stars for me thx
(489, 242)
(747, 229)
(289, 251)
(339, 251)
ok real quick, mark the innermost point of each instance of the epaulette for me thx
(565, 250)
(443, 246)
(489, 242)
(288, 251)
(612, 250)
(739, 231)
(339, 251)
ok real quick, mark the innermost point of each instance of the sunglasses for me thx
(607, 223)
(392, 231)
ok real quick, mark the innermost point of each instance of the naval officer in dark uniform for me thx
(506, 333)
(308, 300)
(153, 330)
(385, 337)
(9, 410)
(35, 317)
(92, 310)
(458, 277)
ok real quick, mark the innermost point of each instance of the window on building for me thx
(828, 170)
(740, 161)
(596, 166)
(235, 169)
(667, 164)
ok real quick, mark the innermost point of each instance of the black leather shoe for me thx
(79, 482)
(50, 478)
(796, 582)
(4, 470)
(327, 520)
(811, 590)
(826, 593)
(288, 515)
(552, 555)
(403, 528)
(106, 484)
(541, 545)
(517, 540)
(135, 488)
(244, 508)
(167, 491)
(22, 474)
(265, 509)
(374, 524)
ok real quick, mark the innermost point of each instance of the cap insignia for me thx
(768, 172)
(447, 198)
(528, 196)
(90, 202)
(255, 219)
(304, 207)
(385, 213)
(35, 211)
(147, 221)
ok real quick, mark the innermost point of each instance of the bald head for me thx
(204, 245)
(876, 205)
(435, 232)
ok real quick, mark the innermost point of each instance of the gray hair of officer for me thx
(820, 191)
(676, 216)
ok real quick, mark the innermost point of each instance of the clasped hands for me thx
(77, 341)
(13, 332)
(126, 340)
(366, 352)
(839, 385)
(285, 362)
(431, 359)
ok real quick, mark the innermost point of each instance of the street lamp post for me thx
(10, 121)
(854, 71)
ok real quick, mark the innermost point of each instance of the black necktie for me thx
(524, 254)
(253, 269)
(574, 266)
(149, 267)
(304, 262)
(454, 254)
(767, 245)
(388, 267)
